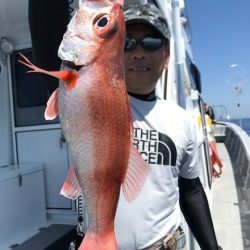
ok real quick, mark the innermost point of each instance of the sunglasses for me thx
(147, 43)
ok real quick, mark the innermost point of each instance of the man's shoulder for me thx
(173, 107)
(160, 108)
(175, 112)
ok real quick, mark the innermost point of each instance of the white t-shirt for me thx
(165, 135)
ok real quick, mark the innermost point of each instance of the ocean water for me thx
(244, 122)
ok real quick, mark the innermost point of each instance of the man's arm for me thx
(194, 206)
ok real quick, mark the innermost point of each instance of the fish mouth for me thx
(70, 65)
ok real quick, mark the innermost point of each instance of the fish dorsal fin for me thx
(52, 109)
(71, 188)
(136, 174)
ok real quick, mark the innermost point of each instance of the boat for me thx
(34, 157)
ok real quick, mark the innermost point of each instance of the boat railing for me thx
(237, 142)
(219, 130)
(221, 117)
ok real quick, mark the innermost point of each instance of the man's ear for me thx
(166, 61)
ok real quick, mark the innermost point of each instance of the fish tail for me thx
(92, 241)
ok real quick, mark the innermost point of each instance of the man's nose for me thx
(139, 53)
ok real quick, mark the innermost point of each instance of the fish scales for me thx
(101, 149)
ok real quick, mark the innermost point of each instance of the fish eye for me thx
(102, 22)
(104, 25)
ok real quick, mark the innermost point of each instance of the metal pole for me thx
(179, 54)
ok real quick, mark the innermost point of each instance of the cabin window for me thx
(30, 93)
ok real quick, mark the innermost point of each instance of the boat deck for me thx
(232, 224)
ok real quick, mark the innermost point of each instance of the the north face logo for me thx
(155, 148)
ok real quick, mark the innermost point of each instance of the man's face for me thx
(144, 67)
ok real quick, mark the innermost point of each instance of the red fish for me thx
(93, 107)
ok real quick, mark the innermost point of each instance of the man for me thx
(165, 136)
(209, 111)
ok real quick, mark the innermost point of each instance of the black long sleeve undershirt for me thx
(194, 206)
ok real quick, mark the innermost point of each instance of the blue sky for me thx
(221, 38)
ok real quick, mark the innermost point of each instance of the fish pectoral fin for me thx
(52, 109)
(71, 188)
(136, 174)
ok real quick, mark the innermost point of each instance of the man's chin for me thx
(138, 75)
